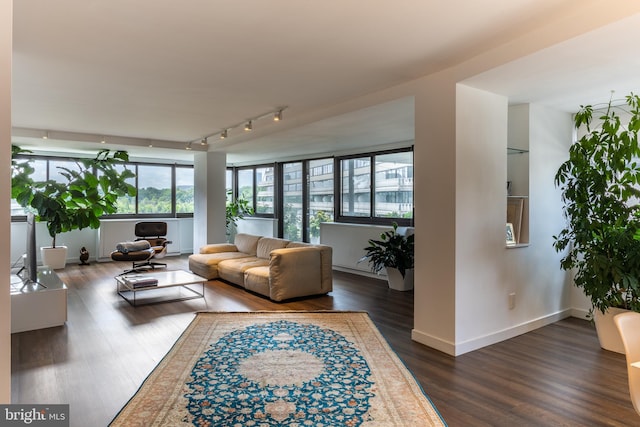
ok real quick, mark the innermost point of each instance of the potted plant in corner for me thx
(394, 253)
(600, 186)
(76, 201)
(235, 209)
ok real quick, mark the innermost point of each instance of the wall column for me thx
(435, 213)
(210, 198)
(6, 18)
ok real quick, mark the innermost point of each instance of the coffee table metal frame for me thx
(166, 279)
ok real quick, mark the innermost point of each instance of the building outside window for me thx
(292, 201)
(355, 186)
(320, 196)
(264, 190)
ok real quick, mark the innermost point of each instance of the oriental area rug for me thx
(280, 368)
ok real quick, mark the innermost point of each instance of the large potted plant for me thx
(236, 209)
(76, 201)
(394, 253)
(600, 186)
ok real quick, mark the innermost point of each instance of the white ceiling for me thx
(164, 73)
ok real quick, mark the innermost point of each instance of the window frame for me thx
(130, 165)
(279, 180)
(371, 218)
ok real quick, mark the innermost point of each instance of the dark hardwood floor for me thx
(554, 376)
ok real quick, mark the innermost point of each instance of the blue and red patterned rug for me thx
(280, 368)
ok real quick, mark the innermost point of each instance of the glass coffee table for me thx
(189, 286)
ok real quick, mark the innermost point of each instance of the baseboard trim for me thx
(456, 349)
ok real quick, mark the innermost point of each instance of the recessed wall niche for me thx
(517, 186)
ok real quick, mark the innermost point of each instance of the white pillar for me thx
(210, 197)
(6, 19)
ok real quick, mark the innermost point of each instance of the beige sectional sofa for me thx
(277, 268)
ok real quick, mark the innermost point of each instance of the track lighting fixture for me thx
(188, 146)
(46, 135)
(247, 124)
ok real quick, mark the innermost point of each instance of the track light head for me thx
(248, 126)
(277, 116)
(203, 141)
(188, 147)
(224, 134)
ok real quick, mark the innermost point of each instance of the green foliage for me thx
(86, 193)
(600, 190)
(315, 220)
(292, 223)
(236, 209)
(392, 250)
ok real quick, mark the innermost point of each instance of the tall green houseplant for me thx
(600, 186)
(236, 208)
(78, 200)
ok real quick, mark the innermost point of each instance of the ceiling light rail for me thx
(247, 125)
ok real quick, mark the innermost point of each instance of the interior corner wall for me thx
(6, 20)
(434, 201)
(487, 272)
(210, 198)
(481, 175)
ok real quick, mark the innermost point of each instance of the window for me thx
(292, 201)
(229, 184)
(154, 189)
(374, 188)
(388, 196)
(394, 185)
(163, 190)
(355, 181)
(245, 185)
(320, 196)
(39, 174)
(126, 205)
(257, 185)
(184, 190)
(264, 191)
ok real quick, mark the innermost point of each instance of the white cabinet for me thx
(35, 306)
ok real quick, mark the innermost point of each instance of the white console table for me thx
(36, 307)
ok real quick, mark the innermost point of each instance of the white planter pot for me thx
(54, 258)
(397, 282)
(608, 334)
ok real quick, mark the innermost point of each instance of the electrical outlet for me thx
(512, 300)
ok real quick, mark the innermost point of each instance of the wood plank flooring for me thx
(554, 376)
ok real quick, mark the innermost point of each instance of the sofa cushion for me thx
(247, 243)
(268, 244)
(218, 247)
(206, 265)
(256, 279)
(233, 270)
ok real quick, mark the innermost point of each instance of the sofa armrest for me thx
(295, 272)
(215, 248)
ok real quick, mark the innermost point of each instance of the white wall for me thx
(435, 207)
(348, 242)
(6, 21)
(267, 227)
(462, 292)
